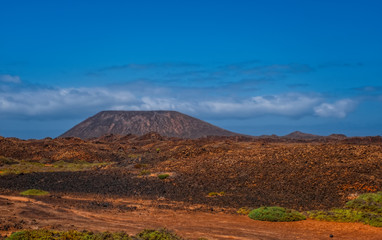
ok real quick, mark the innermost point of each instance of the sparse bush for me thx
(145, 172)
(244, 210)
(367, 208)
(216, 194)
(163, 176)
(140, 165)
(160, 234)
(7, 161)
(72, 234)
(276, 214)
(370, 202)
(34, 192)
(134, 156)
(28, 166)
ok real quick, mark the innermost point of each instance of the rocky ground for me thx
(210, 175)
(133, 215)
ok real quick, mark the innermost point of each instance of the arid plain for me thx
(112, 183)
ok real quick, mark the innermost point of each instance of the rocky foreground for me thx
(225, 172)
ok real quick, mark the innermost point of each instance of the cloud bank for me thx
(56, 103)
(6, 78)
(233, 91)
(337, 109)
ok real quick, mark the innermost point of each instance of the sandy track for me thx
(40, 213)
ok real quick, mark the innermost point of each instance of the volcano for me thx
(165, 123)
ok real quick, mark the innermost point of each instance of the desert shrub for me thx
(140, 165)
(276, 214)
(367, 208)
(72, 234)
(160, 234)
(34, 192)
(216, 194)
(7, 161)
(28, 166)
(145, 172)
(347, 215)
(244, 210)
(134, 156)
(43, 234)
(370, 202)
(163, 176)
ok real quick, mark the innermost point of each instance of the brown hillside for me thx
(166, 123)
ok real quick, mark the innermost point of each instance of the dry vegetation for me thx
(250, 172)
(221, 174)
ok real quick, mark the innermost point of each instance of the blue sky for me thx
(254, 67)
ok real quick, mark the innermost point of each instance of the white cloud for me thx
(38, 102)
(291, 104)
(337, 109)
(9, 78)
(50, 102)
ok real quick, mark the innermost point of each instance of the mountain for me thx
(297, 135)
(165, 123)
(337, 136)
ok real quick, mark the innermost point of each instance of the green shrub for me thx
(369, 202)
(216, 194)
(34, 192)
(163, 176)
(276, 214)
(64, 235)
(160, 234)
(367, 208)
(347, 215)
(42, 234)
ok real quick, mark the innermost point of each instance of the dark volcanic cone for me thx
(166, 123)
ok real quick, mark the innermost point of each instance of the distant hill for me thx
(297, 135)
(165, 123)
(301, 136)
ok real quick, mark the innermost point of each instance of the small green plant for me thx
(160, 234)
(145, 172)
(276, 214)
(34, 192)
(163, 176)
(367, 208)
(216, 194)
(244, 210)
(158, 150)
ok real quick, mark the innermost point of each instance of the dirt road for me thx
(134, 215)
